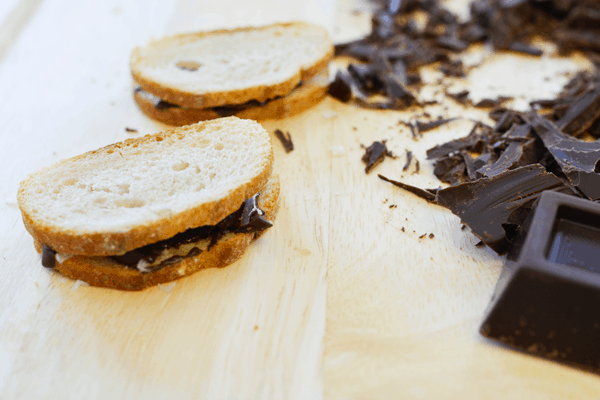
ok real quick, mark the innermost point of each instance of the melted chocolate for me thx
(247, 219)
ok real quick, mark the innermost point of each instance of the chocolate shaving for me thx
(285, 139)
(427, 126)
(127, 129)
(409, 156)
(414, 190)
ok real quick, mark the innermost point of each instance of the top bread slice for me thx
(143, 190)
(227, 67)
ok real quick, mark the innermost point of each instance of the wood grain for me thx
(336, 301)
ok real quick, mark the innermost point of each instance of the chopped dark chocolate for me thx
(341, 87)
(525, 48)
(578, 160)
(431, 236)
(285, 139)
(486, 204)
(374, 155)
(48, 257)
(461, 97)
(581, 114)
(127, 129)
(427, 126)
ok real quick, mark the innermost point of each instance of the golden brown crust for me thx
(104, 272)
(303, 97)
(216, 99)
(115, 243)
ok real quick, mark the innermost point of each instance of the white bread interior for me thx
(143, 190)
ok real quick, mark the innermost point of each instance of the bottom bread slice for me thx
(106, 272)
(301, 98)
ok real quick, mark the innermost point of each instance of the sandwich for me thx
(261, 73)
(154, 209)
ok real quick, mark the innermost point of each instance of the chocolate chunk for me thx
(486, 204)
(252, 218)
(341, 87)
(461, 97)
(578, 160)
(48, 257)
(545, 300)
(525, 48)
(285, 139)
(424, 194)
(374, 155)
(581, 114)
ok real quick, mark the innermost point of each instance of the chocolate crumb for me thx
(422, 236)
(431, 236)
(417, 167)
(130, 129)
(402, 229)
(286, 140)
(409, 156)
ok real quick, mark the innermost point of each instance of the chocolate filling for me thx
(223, 111)
(249, 218)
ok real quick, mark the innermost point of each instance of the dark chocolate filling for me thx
(223, 111)
(249, 218)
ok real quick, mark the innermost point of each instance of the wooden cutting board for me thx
(337, 301)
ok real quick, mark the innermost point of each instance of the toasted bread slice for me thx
(228, 67)
(106, 272)
(301, 98)
(143, 190)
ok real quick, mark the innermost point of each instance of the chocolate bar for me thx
(546, 299)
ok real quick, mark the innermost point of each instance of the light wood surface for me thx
(334, 302)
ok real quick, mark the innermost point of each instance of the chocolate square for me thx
(547, 299)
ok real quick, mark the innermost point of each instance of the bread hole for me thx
(180, 166)
(188, 65)
(100, 200)
(56, 190)
(202, 143)
(200, 187)
(219, 146)
(212, 176)
(198, 170)
(123, 188)
(130, 203)
(69, 181)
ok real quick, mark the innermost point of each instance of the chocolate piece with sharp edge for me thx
(424, 194)
(581, 114)
(409, 157)
(374, 155)
(341, 87)
(427, 126)
(486, 204)
(545, 301)
(577, 159)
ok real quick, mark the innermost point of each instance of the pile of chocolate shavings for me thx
(497, 173)
(390, 56)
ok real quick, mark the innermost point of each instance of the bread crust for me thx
(260, 93)
(105, 272)
(300, 99)
(119, 242)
